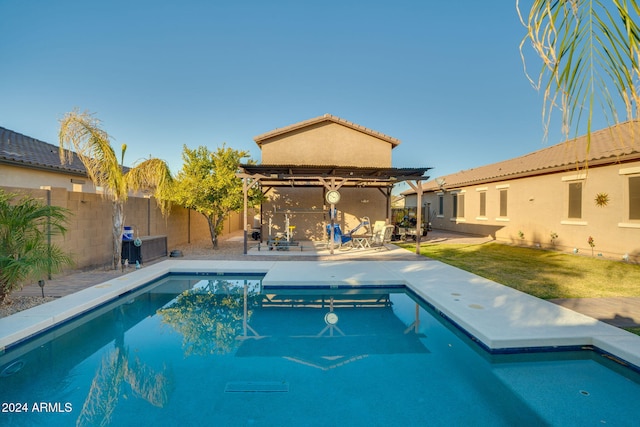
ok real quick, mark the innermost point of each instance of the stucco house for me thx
(27, 162)
(301, 162)
(559, 196)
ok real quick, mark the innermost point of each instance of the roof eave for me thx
(538, 172)
(41, 167)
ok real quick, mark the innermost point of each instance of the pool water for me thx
(224, 351)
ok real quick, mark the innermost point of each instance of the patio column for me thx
(245, 193)
(332, 186)
(417, 187)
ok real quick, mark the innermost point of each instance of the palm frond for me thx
(152, 174)
(81, 132)
(590, 51)
(25, 252)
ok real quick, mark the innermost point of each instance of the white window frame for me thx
(500, 188)
(440, 204)
(627, 173)
(480, 191)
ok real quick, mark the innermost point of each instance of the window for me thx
(503, 202)
(458, 205)
(440, 204)
(455, 205)
(575, 200)
(77, 184)
(634, 197)
(483, 203)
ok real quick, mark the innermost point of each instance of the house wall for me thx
(326, 143)
(88, 238)
(22, 177)
(309, 213)
(538, 206)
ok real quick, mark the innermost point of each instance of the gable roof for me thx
(326, 118)
(21, 150)
(617, 144)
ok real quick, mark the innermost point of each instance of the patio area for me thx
(360, 249)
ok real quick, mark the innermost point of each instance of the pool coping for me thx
(500, 318)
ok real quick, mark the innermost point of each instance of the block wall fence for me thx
(88, 237)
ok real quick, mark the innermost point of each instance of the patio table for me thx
(361, 242)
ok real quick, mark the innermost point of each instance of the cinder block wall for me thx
(89, 239)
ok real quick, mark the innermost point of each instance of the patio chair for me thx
(364, 222)
(378, 227)
(341, 241)
(382, 237)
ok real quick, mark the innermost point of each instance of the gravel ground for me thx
(18, 303)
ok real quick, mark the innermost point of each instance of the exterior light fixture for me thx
(41, 284)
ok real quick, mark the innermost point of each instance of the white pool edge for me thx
(500, 317)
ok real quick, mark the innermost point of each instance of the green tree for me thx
(208, 184)
(210, 318)
(590, 51)
(82, 132)
(26, 225)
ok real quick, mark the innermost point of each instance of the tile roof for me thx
(616, 144)
(326, 118)
(21, 150)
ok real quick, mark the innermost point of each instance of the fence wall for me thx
(89, 239)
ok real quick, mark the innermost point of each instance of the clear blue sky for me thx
(444, 77)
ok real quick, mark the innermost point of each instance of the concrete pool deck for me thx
(618, 311)
(499, 317)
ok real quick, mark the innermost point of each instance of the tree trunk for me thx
(212, 230)
(215, 222)
(118, 227)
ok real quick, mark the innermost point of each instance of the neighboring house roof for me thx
(397, 200)
(616, 144)
(326, 118)
(21, 150)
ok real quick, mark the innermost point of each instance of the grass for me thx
(541, 273)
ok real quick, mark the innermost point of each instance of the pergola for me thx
(332, 178)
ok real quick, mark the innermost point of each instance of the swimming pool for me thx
(234, 350)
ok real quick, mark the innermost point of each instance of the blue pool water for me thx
(223, 351)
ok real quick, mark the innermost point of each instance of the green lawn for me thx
(542, 273)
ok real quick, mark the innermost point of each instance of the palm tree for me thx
(26, 226)
(107, 386)
(82, 133)
(590, 52)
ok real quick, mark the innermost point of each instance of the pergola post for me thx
(417, 187)
(332, 186)
(245, 194)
